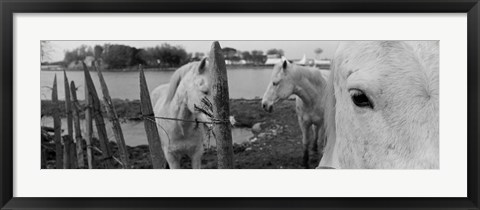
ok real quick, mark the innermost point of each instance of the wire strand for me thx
(214, 121)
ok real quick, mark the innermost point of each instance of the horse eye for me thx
(360, 99)
(275, 83)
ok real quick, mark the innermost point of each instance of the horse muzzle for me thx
(267, 107)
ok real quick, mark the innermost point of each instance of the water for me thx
(243, 83)
(134, 132)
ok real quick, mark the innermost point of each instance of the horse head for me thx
(198, 89)
(383, 109)
(281, 85)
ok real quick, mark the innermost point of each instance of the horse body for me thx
(187, 87)
(307, 85)
(382, 106)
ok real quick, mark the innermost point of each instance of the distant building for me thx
(323, 64)
(303, 61)
(273, 59)
(51, 67)
(234, 62)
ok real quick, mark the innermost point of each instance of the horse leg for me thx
(306, 129)
(197, 159)
(322, 140)
(315, 139)
(173, 161)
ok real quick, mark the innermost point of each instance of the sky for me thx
(293, 49)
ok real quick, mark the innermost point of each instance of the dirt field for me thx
(276, 145)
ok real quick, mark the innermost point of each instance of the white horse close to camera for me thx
(188, 86)
(307, 84)
(382, 106)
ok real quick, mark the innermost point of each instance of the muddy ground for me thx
(276, 145)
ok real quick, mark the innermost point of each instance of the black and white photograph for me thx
(239, 104)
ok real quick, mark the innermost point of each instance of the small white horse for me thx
(308, 85)
(188, 86)
(382, 106)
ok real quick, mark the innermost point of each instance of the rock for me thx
(248, 149)
(274, 132)
(253, 139)
(233, 122)
(257, 127)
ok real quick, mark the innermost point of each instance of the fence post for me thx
(66, 152)
(67, 162)
(154, 143)
(88, 128)
(73, 155)
(117, 129)
(43, 150)
(57, 126)
(43, 157)
(221, 108)
(98, 117)
(76, 125)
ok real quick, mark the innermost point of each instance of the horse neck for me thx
(178, 107)
(308, 85)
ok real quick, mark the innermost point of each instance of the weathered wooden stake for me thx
(67, 162)
(99, 121)
(76, 125)
(221, 108)
(117, 129)
(66, 152)
(57, 126)
(154, 143)
(73, 155)
(44, 157)
(89, 128)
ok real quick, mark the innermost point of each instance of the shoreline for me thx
(130, 110)
(169, 69)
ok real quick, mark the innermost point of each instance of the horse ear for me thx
(285, 64)
(202, 65)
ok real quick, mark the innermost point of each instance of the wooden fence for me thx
(71, 149)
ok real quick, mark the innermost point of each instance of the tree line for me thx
(118, 56)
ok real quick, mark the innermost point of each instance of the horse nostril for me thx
(270, 108)
(265, 107)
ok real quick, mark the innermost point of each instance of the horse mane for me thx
(177, 78)
(311, 74)
(329, 104)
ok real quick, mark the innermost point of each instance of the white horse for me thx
(382, 106)
(307, 84)
(188, 86)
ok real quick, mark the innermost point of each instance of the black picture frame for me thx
(10, 7)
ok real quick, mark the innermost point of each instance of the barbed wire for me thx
(213, 121)
(205, 108)
(154, 121)
(209, 129)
